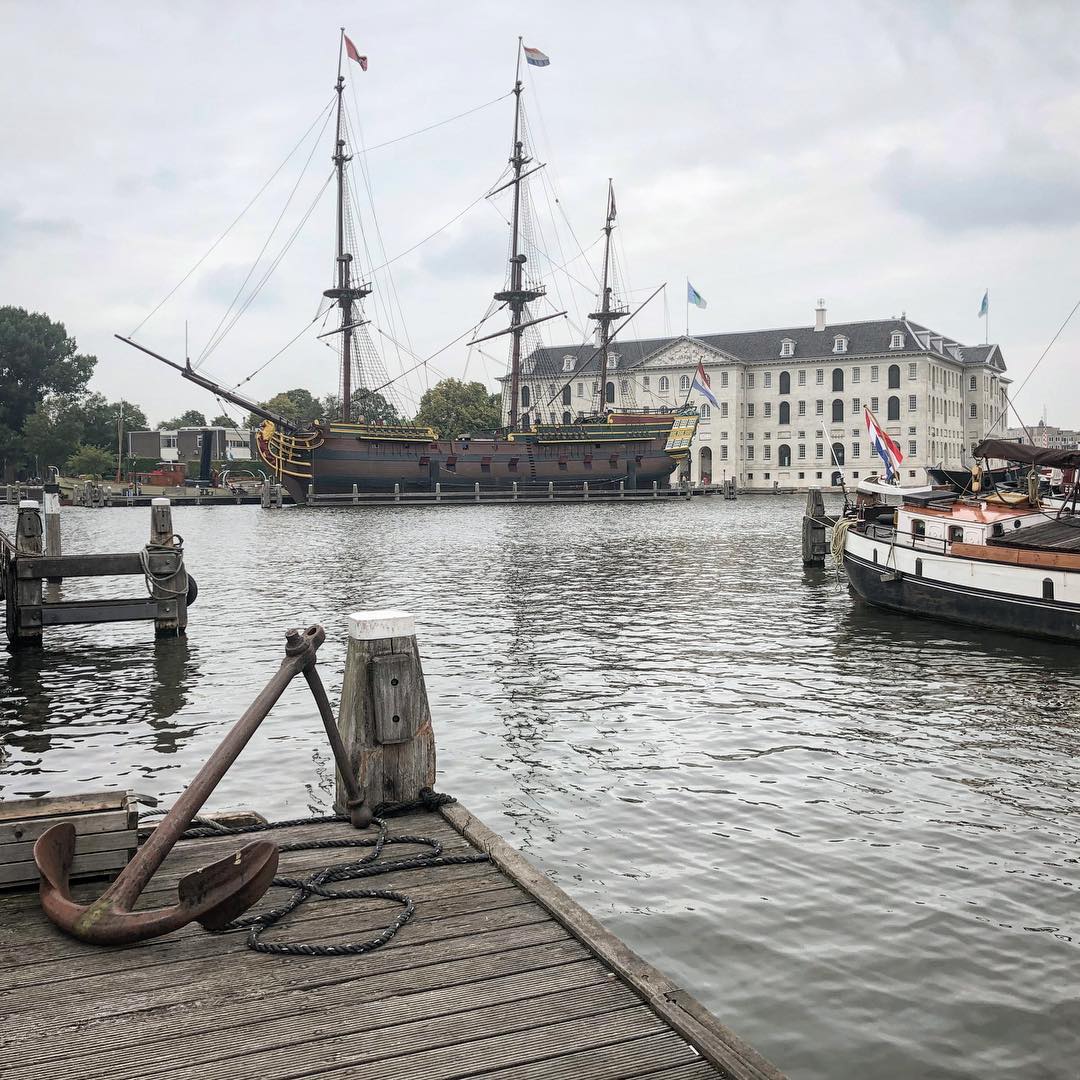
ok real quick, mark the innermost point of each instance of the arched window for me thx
(526, 397)
(566, 394)
(524, 419)
(664, 383)
(566, 418)
(838, 453)
(785, 412)
(609, 393)
(838, 380)
(706, 412)
(783, 455)
(785, 382)
(894, 408)
(838, 411)
(684, 382)
(894, 376)
(705, 464)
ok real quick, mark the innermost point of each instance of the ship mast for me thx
(607, 314)
(345, 293)
(517, 296)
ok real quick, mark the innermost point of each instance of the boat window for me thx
(998, 529)
(918, 567)
(1017, 523)
(956, 534)
(918, 528)
(875, 556)
(1048, 589)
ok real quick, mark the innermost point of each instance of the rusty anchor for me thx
(218, 893)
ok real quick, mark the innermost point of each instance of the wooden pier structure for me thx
(498, 974)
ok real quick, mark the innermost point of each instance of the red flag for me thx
(351, 52)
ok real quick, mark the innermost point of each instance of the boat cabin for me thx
(936, 522)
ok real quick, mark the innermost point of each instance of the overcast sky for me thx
(887, 156)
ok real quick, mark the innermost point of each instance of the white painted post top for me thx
(160, 501)
(381, 623)
(29, 504)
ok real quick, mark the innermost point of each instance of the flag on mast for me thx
(536, 57)
(882, 444)
(702, 384)
(353, 53)
(984, 307)
(694, 297)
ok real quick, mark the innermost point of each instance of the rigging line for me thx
(318, 315)
(255, 198)
(548, 193)
(440, 123)
(272, 267)
(266, 244)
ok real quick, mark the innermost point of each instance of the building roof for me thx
(864, 339)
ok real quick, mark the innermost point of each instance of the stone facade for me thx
(790, 402)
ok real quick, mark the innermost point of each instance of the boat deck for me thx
(1057, 534)
(499, 973)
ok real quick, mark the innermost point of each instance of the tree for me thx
(191, 418)
(100, 416)
(36, 358)
(223, 421)
(368, 404)
(454, 407)
(52, 431)
(91, 461)
(299, 405)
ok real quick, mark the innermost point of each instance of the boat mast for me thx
(345, 292)
(517, 296)
(607, 314)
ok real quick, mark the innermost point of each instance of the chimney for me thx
(819, 317)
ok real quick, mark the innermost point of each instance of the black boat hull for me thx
(960, 479)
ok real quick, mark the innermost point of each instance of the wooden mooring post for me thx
(169, 589)
(384, 719)
(29, 544)
(814, 544)
(51, 499)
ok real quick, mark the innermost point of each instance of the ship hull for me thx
(341, 463)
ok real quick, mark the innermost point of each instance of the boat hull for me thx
(957, 602)
(960, 479)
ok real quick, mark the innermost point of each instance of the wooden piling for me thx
(171, 618)
(51, 499)
(385, 721)
(814, 544)
(29, 542)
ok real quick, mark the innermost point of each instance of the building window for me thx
(912, 431)
(873, 373)
(787, 347)
(855, 449)
(894, 376)
(595, 387)
(897, 341)
(566, 394)
(646, 382)
(723, 379)
(723, 453)
(893, 408)
(609, 393)
(819, 408)
(723, 408)
(684, 382)
(838, 380)
(974, 410)
(750, 380)
(613, 361)
(768, 408)
(783, 455)
(568, 363)
(802, 408)
(819, 376)
(768, 378)
(802, 451)
(802, 377)
(525, 396)
(664, 384)
(973, 385)
(785, 382)
(838, 411)
(580, 389)
(749, 408)
(705, 411)
(912, 402)
(749, 453)
(624, 387)
(912, 371)
(856, 374)
(767, 453)
(566, 418)
(856, 404)
(525, 420)
(785, 413)
(839, 344)
(874, 404)
(912, 448)
(819, 450)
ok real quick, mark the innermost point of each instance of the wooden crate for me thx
(105, 834)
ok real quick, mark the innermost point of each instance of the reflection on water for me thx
(850, 833)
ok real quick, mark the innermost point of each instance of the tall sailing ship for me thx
(633, 447)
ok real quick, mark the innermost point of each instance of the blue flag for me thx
(984, 307)
(694, 297)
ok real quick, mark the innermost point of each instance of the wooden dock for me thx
(499, 973)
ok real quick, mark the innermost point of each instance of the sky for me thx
(887, 156)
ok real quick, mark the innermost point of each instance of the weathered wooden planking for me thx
(100, 565)
(56, 805)
(94, 864)
(683, 1012)
(85, 843)
(70, 612)
(101, 821)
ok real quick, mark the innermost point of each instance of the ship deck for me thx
(1056, 534)
(499, 973)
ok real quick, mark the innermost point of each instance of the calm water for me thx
(852, 835)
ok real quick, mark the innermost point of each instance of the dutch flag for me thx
(702, 384)
(536, 57)
(882, 444)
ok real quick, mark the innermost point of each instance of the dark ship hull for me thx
(960, 479)
(335, 458)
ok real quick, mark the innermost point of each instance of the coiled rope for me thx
(315, 884)
(157, 581)
(839, 536)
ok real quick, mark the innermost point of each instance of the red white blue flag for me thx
(702, 384)
(353, 53)
(882, 444)
(536, 57)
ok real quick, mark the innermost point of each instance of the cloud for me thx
(1018, 186)
(17, 226)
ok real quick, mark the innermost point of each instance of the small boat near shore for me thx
(1003, 561)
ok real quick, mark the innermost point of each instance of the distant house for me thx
(185, 444)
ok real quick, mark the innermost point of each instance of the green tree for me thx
(299, 405)
(91, 461)
(191, 418)
(100, 418)
(454, 407)
(36, 358)
(221, 420)
(52, 431)
(369, 404)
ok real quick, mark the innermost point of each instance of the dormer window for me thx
(568, 363)
(527, 366)
(787, 347)
(613, 361)
(839, 343)
(897, 341)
